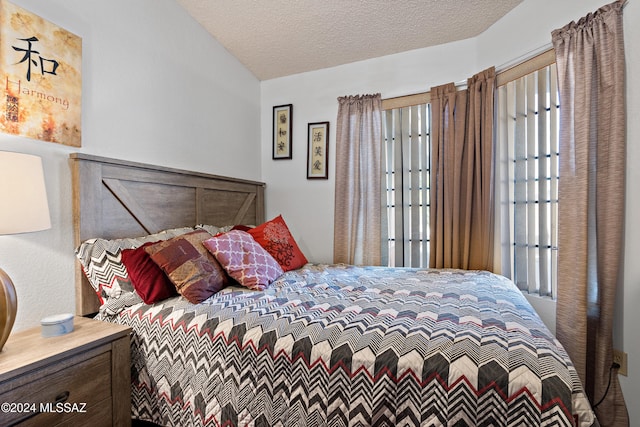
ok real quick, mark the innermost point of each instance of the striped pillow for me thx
(101, 261)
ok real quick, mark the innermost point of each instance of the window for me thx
(527, 127)
(406, 156)
(528, 117)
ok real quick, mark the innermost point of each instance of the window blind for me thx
(406, 157)
(529, 113)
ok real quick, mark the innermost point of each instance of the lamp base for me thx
(8, 306)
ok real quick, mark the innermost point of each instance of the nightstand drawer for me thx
(90, 365)
(75, 390)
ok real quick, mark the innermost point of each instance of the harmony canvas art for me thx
(40, 71)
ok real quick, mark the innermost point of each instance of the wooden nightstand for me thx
(81, 378)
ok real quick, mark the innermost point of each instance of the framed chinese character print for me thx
(40, 73)
(318, 150)
(282, 125)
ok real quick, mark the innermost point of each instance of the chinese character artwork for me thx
(40, 73)
(282, 125)
(53, 64)
(317, 160)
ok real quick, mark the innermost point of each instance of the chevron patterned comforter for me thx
(354, 346)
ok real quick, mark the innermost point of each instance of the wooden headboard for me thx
(115, 199)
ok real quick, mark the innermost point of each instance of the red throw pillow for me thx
(276, 238)
(147, 278)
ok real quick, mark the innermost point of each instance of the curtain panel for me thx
(591, 74)
(462, 214)
(357, 215)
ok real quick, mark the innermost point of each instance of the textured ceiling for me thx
(275, 38)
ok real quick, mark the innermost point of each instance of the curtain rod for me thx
(514, 62)
(506, 66)
(523, 58)
(421, 97)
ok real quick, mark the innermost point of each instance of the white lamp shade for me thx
(23, 196)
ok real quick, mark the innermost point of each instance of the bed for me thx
(320, 345)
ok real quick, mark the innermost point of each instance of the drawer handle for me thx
(62, 397)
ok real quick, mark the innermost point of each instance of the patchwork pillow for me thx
(244, 259)
(276, 238)
(147, 278)
(192, 269)
(102, 264)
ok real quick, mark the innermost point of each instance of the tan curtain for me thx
(462, 189)
(591, 73)
(357, 216)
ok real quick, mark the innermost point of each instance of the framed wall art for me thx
(318, 150)
(282, 125)
(40, 70)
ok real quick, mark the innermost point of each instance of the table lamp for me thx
(24, 208)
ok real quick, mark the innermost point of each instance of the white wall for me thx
(157, 89)
(308, 206)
